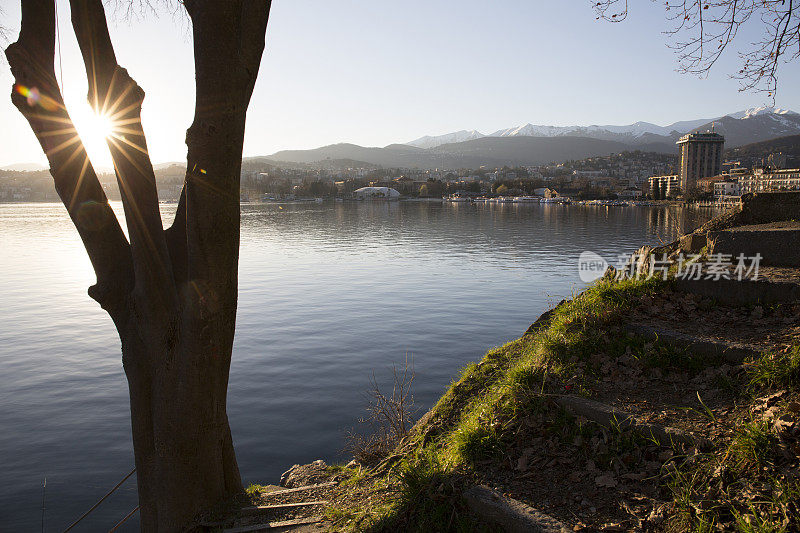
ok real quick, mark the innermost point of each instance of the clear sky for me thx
(374, 72)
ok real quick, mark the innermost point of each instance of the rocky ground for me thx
(598, 477)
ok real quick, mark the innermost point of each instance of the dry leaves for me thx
(605, 480)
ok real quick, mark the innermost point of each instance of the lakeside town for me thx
(700, 172)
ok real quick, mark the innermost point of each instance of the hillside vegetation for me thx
(500, 424)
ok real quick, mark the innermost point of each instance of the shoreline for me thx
(471, 437)
(587, 203)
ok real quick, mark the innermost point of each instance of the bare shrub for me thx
(389, 416)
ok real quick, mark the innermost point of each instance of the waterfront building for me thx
(666, 184)
(732, 175)
(762, 180)
(708, 183)
(701, 156)
(365, 193)
(727, 188)
(630, 193)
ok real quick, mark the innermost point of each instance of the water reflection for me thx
(328, 293)
(492, 233)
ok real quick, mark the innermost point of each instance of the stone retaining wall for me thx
(760, 208)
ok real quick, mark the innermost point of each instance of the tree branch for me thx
(609, 10)
(228, 43)
(3, 29)
(704, 29)
(254, 17)
(37, 96)
(113, 93)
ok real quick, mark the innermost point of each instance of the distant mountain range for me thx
(536, 144)
(758, 121)
(24, 167)
(486, 151)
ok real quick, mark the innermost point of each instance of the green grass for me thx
(741, 484)
(428, 498)
(541, 364)
(775, 369)
(753, 444)
(349, 514)
(477, 417)
(254, 489)
(775, 512)
(770, 510)
(473, 418)
(689, 487)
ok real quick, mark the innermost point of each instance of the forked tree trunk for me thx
(171, 294)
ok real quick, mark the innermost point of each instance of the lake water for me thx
(329, 294)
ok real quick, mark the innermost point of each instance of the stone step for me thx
(256, 511)
(261, 509)
(275, 527)
(778, 242)
(267, 494)
(605, 415)
(714, 348)
(509, 514)
(745, 292)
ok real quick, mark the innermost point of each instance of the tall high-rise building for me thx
(701, 156)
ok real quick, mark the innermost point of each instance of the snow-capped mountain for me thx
(754, 127)
(437, 140)
(755, 111)
(765, 122)
(532, 144)
(532, 130)
(636, 129)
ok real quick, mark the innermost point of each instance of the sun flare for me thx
(102, 126)
(94, 129)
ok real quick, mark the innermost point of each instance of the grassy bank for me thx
(499, 417)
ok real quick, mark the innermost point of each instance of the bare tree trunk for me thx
(171, 294)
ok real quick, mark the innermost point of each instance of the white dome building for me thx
(383, 193)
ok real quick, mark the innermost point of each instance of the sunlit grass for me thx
(473, 418)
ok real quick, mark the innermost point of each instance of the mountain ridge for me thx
(537, 145)
(631, 133)
(474, 153)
